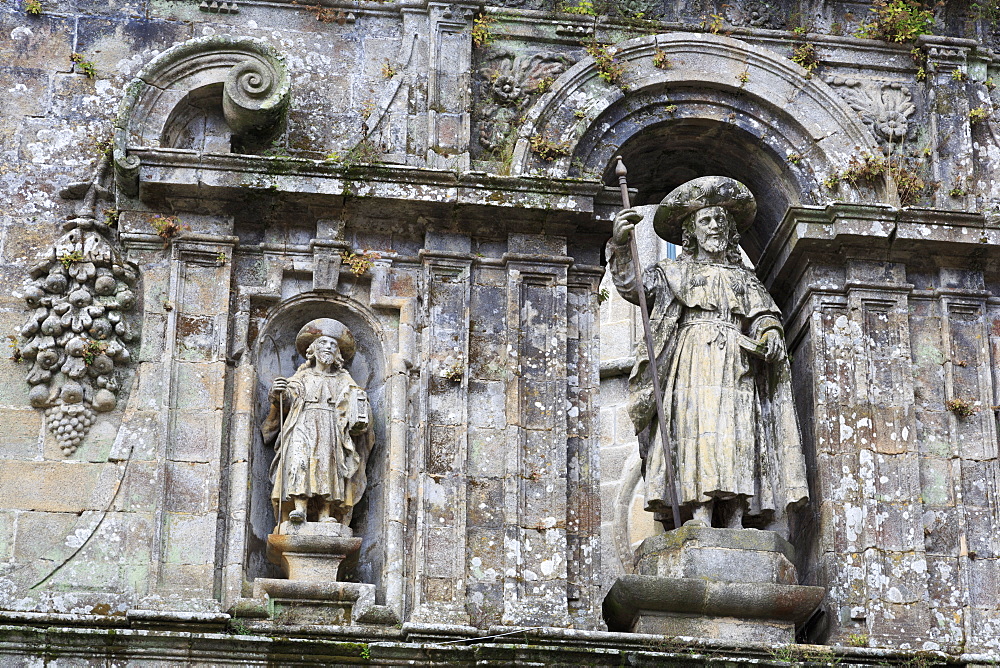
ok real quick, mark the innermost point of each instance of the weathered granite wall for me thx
(458, 154)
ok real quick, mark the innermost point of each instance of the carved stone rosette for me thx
(884, 107)
(76, 334)
(513, 82)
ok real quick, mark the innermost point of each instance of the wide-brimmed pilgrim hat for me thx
(335, 329)
(697, 194)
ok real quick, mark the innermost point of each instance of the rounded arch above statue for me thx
(723, 108)
(278, 344)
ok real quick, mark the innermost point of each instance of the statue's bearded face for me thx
(326, 351)
(711, 229)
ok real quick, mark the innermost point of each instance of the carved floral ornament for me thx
(885, 108)
(75, 335)
(754, 13)
(513, 82)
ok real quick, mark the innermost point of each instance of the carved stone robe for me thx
(731, 422)
(325, 441)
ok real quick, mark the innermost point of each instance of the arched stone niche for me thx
(722, 107)
(274, 356)
(196, 87)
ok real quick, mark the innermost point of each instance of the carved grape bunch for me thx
(76, 335)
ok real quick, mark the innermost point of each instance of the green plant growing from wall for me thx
(661, 61)
(70, 258)
(111, 217)
(548, 150)
(804, 53)
(85, 66)
(360, 263)
(985, 10)
(713, 23)
(326, 14)
(367, 109)
(103, 145)
(168, 227)
(909, 184)
(857, 639)
(543, 86)
(388, 71)
(920, 58)
(33, 7)
(958, 74)
(868, 168)
(584, 7)
(481, 30)
(92, 350)
(454, 372)
(609, 69)
(897, 21)
(15, 350)
(365, 152)
(978, 114)
(962, 408)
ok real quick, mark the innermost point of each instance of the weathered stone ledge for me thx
(174, 171)
(260, 643)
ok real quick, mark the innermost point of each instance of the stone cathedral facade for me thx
(185, 184)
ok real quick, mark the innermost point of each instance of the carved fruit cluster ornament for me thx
(76, 334)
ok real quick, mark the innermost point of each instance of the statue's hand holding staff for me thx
(278, 387)
(624, 225)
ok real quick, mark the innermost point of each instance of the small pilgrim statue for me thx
(721, 361)
(320, 428)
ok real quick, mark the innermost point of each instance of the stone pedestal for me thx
(729, 584)
(311, 551)
(310, 555)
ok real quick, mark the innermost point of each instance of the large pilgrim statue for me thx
(721, 362)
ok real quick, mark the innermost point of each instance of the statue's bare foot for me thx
(297, 517)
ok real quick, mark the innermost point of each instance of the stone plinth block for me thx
(731, 584)
(310, 555)
(311, 551)
(336, 603)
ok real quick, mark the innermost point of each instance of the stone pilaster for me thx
(891, 328)
(535, 500)
(441, 453)
(583, 521)
(196, 308)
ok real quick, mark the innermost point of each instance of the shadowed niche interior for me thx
(664, 156)
(198, 122)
